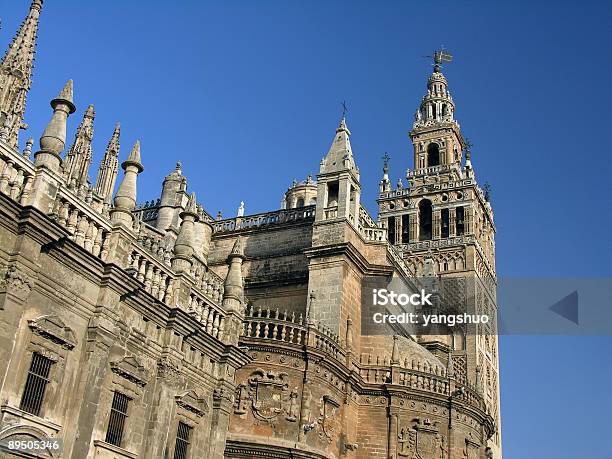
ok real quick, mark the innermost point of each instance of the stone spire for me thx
(16, 75)
(233, 292)
(184, 245)
(107, 173)
(53, 139)
(78, 158)
(125, 199)
(340, 155)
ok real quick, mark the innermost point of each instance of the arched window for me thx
(445, 229)
(300, 202)
(433, 154)
(425, 220)
(460, 221)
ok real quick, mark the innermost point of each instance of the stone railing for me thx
(208, 284)
(437, 243)
(154, 241)
(264, 219)
(152, 272)
(434, 170)
(429, 382)
(85, 225)
(276, 325)
(16, 176)
(330, 212)
(209, 315)
(396, 255)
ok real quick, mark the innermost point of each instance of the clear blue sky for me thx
(247, 95)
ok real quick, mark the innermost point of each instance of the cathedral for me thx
(156, 330)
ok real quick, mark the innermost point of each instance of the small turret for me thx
(53, 139)
(125, 199)
(170, 202)
(338, 187)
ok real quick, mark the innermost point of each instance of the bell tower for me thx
(443, 216)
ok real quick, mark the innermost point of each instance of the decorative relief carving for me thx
(15, 281)
(192, 402)
(328, 422)
(129, 368)
(54, 329)
(421, 440)
(269, 396)
(169, 369)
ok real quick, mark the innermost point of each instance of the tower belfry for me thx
(444, 216)
(16, 75)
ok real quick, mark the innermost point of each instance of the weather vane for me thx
(386, 159)
(439, 57)
(468, 145)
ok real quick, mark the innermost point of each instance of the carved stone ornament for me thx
(51, 327)
(15, 281)
(269, 396)
(169, 369)
(129, 368)
(328, 418)
(191, 401)
(421, 440)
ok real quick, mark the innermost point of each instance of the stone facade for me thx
(166, 333)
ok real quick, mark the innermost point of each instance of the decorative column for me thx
(414, 227)
(452, 221)
(436, 224)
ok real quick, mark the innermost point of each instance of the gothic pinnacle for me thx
(107, 172)
(78, 158)
(16, 73)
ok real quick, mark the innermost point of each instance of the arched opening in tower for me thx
(425, 220)
(433, 154)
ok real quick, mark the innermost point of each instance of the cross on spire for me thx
(344, 109)
(386, 159)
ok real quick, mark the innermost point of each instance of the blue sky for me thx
(247, 95)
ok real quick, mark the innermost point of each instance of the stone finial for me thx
(395, 351)
(53, 139)
(238, 248)
(184, 247)
(27, 151)
(191, 207)
(125, 199)
(134, 157)
(233, 293)
(65, 97)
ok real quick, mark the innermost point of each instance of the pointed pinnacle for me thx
(90, 111)
(191, 204)
(342, 127)
(135, 153)
(238, 249)
(65, 97)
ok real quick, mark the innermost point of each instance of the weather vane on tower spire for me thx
(439, 57)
